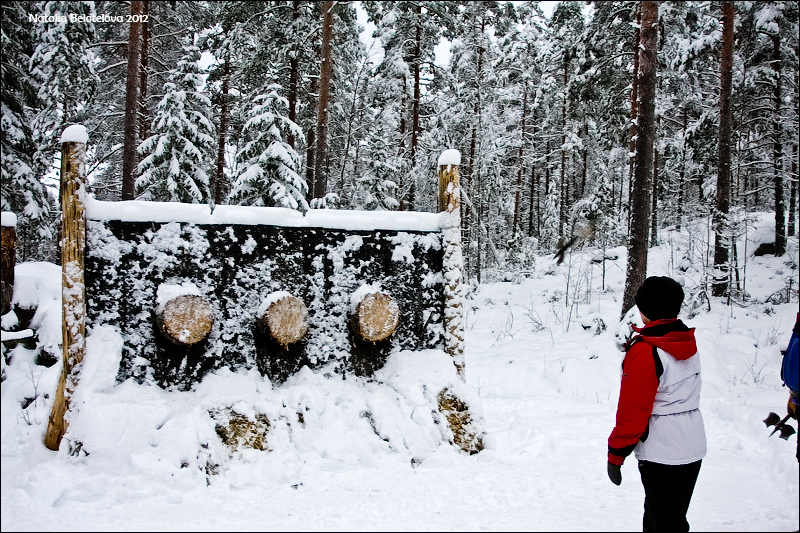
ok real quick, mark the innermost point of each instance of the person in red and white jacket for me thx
(658, 415)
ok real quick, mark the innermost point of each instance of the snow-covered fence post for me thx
(8, 238)
(73, 245)
(449, 200)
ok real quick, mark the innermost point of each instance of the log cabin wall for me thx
(235, 267)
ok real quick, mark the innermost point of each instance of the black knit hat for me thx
(659, 297)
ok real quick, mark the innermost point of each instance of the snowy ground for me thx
(545, 388)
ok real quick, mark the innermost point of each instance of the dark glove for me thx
(614, 473)
(791, 408)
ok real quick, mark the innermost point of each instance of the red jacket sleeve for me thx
(636, 396)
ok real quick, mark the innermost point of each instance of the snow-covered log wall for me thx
(237, 261)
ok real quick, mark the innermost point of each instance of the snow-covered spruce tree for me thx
(178, 154)
(22, 163)
(63, 66)
(377, 189)
(268, 164)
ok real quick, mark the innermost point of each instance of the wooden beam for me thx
(73, 245)
(452, 263)
(8, 238)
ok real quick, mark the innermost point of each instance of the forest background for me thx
(289, 108)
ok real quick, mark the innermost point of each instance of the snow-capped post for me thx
(73, 245)
(452, 262)
(8, 238)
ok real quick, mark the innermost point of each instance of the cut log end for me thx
(186, 320)
(376, 317)
(285, 320)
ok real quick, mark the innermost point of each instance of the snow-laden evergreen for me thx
(63, 65)
(179, 153)
(376, 190)
(269, 165)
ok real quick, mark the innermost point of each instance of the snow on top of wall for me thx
(75, 134)
(138, 211)
(450, 157)
(8, 219)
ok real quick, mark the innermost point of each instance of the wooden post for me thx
(449, 200)
(73, 244)
(8, 238)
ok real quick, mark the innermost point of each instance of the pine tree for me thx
(269, 165)
(22, 161)
(63, 66)
(642, 187)
(177, 156)
(377, 189)
(722, 238)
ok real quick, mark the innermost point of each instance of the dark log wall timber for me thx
(235, 267)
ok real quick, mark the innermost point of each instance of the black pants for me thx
(667, 493)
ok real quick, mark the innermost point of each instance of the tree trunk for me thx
(682, 176)
(793, 195)
(520, 162)
(777, 151)
(634, 114)
(721, 238)
(546, 178)
(219, 178)
(311, 148)
(73, 296)
(144, 115)
(294, 68)
(453, 267)
(534, 195)
(417, 95)
(640, 201)
(585, 158)
(131, 104)
(654, 204)
(325, 75)
(562, 211)
(8, 245)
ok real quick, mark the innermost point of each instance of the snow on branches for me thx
(269, 165)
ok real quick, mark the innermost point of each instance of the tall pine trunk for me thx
(777, 150)
(634, 114)
(325, 75)
(294, 68)
(791, 229)
(219, 178)
(640, 195)
(562, 211)
(144, 118)
(721, 237)
(520, 160)
(415, 108)
(131, 137)
(654, 203)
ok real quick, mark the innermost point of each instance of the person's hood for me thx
(671, 335)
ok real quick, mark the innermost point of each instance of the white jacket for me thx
(676, 433)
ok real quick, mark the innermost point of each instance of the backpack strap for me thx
(659, 364)
(656, 358)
